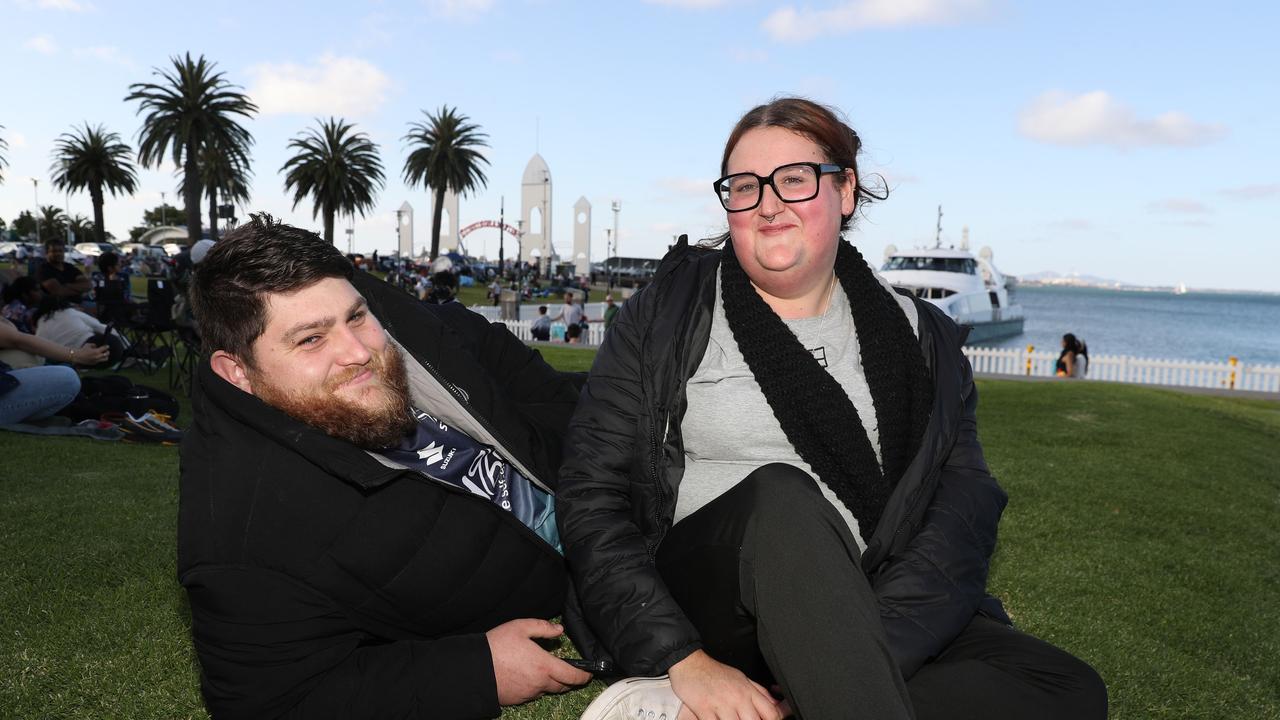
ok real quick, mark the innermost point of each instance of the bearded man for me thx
(366, 524)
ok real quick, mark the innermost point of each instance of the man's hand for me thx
(522, 669)
(711, 690)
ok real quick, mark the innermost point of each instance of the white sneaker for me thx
(636, 698)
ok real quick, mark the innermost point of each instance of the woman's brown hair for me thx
(839, 142)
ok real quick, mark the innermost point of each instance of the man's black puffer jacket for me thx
(624, 459)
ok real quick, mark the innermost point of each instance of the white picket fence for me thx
(520, 328)
(1123, 368)
(1040, 363)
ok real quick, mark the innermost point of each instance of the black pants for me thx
(769, 574)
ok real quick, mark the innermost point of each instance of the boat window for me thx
(927, 293)
(968, 266)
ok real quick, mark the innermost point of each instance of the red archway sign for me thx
(508, 229)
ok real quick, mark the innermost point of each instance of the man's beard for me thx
(372, 427)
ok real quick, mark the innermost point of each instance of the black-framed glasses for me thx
(794, 182)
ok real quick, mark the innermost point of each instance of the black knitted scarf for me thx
(815, 413)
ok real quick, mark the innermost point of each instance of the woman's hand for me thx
(711, 690)
(90, 355)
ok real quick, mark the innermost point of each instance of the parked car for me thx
(95, 249)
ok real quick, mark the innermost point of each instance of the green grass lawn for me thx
(1142, 534)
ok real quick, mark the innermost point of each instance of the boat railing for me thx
(1231, 374)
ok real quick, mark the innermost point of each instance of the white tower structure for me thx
(448, 222)
(582, 238)
(535, 196)
(404, 230)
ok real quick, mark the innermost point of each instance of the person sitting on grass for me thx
(774, 477)
(36, 392)
(1067, 366)
(59, 278)
(57, 321)
(541, 327)
(365, 523)
(112, 294)
(20, 300)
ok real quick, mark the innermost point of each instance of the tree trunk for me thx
(99, 225)
(191, 177)
(328, 223)
(436, 212)
(213, 213)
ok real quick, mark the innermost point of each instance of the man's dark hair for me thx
(54, 242)
(229, 288)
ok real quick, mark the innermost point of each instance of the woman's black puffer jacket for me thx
(624, 459)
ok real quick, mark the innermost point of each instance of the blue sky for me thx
(1132, 140)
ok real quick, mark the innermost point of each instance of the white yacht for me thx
(969, 289)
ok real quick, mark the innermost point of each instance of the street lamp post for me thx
(608, 249)
(399, 229)
(502, 231)
(35, 188)
(518, 265)
(546, 226)
(164, 214)
(617, 208)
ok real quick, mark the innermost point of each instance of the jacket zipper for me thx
(655, 450)
(484, 423)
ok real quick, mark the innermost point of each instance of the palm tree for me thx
(90, 158)
(339, 169)
(445, 158)
(83, 228)
(224, 173)
(3, 160)
(192, 107)
(53, 223)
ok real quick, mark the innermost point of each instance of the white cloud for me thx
(690, 4)
(104, 53)
(1252, 192)
(1096, 118)
(331, 86)
(16, 139)
(788, 24)
(42, 44)
(1180, 206)
(459, 9)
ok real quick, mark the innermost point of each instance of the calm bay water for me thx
(1195, 326)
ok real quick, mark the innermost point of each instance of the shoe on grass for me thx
(636, 698)
(146, 429)
(155, 419)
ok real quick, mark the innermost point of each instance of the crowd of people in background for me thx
(45, 333)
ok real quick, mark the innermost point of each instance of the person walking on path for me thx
(610, 311)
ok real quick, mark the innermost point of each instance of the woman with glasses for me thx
(776, 501)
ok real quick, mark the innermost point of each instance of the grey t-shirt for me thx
(729, 429)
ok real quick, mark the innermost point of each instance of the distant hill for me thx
(1049, 277)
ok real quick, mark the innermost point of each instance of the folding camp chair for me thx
(153, 342)
(187, 355)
